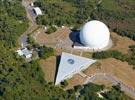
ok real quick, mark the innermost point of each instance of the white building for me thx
(95, 35)
(32, 4)
(24, 52)
(71, 64)
(37, 11)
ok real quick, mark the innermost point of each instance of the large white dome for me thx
(95, 35)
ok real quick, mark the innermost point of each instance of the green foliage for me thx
(30, 40)
(130, 58)
(109, 54)
(116, 94)
(64, 12)
(71, 92)
(35, 71)
(64, 83)
(45, 52)
(24, 81)
(41, 20)
(118, 14)
(51, 29)
(20, 80)
(89, 92)
(77, 88)
(13, 21)
(126, 33)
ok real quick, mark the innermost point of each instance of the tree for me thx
(77, 88)
(64, 83)
(110, 54)
(45, 52)
(30, 40)
(51, 29)
(77, 13)
(116, 94)
(89, 92)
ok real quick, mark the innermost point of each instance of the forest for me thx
(13, 21)
(89, 92)
(20, 80)
(117, 14)
(64, 12)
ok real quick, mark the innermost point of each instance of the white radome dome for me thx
(95, 35)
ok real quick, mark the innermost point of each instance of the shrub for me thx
(64, 83)
(77, 88)
(51, 29)
(109, 54)
(30, 40)
(45, 52)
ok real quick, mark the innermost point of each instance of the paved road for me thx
(33, 25)
(128, 89)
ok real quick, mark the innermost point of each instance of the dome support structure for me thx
(94, 36)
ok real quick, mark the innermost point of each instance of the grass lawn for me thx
(49, 66)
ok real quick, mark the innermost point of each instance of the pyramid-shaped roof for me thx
(71, 64)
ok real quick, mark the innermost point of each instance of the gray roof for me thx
(26, 52)
(71, 64)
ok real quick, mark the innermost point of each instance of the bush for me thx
(51, 29)
(77, 13)
(130, 58)
(110, 54)
(64, 83)
(77, 88)
(116, 94)
(30, 40)
(41, 20)
(123, 32)
(90, 91)
(45, 52)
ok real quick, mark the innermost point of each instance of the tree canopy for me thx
(13, 21)
(117, 14)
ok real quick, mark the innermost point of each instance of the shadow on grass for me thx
(57, 66)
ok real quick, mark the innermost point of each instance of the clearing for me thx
(49, 67)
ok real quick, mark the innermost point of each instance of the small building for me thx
(37, 11)
(20, 53)
(24, 52)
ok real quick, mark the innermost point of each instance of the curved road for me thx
(128, 89)
(33, 25)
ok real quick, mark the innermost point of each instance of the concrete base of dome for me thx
(85, 48)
